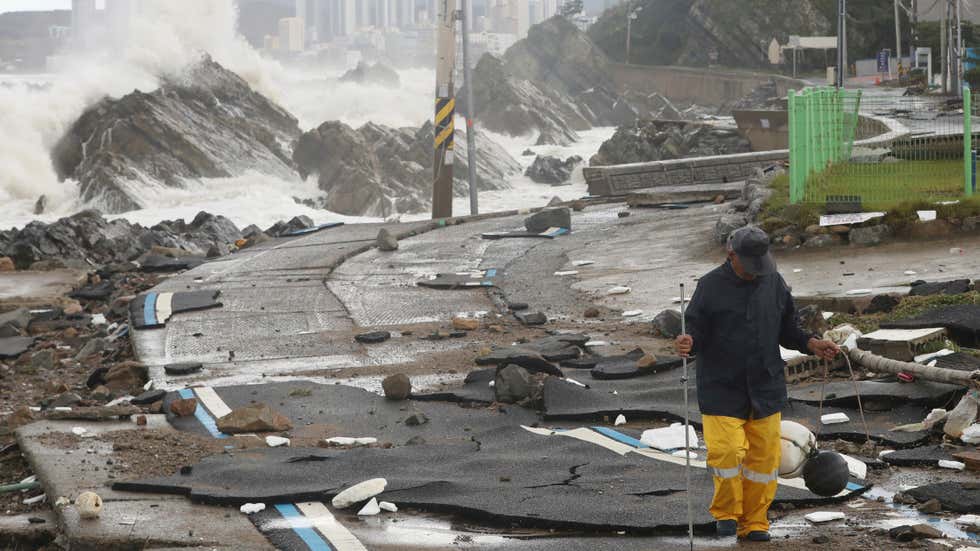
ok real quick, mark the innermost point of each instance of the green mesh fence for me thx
(879, 148)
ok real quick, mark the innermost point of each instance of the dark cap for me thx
(751, 245)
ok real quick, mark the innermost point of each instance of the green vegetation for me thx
(907, 308)
(883, 186)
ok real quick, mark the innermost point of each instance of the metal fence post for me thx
(967, 141)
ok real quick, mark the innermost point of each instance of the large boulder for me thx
(552, 170)
(512, 384)
(727, 224)
(549, 218)
(377, 73)
(254, 418)
(872, 235)
(656, 140)
(204, 123)
(376, 170)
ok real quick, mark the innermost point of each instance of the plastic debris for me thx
(926, 215)
(968, 520)
(619, 290)
(844, 335)
(818, 517)
(388, 506)
(89, 505)
(922, 358)
(910, 272)
(834, 418)
(597, 343)
(669, 438)
(276, 441)
(370, 509)
(34, 500)
(567, 273)
(62, 502)
(620, 420)
(347, 441)
(858, 292)
(797, 270)
(99, 319)
(252, 508)
(963, 415)
(79, 431)
(583, 263)
(359, 493)
(883, 453)
(574, 382)
(954, 465)
(632, 313)
(828, 315)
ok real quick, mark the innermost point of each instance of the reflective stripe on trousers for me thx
(743, 458)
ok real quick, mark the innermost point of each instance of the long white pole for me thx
(687, 435)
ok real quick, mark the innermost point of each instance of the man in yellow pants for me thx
(740, 314)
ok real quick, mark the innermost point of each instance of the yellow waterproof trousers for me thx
(743, 459)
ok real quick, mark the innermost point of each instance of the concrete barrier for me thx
(709, 87)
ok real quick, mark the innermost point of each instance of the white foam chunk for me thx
(99, 319)
(348, 441)
(597, 343)
(632, 313)
(954, 465)
(79, 431)
(834, 418)
(669, 438)
(370, 509)
(583, 263)
(828, 315)
(620, 420)
(972, 434)
(276, 441)
(818, 517)
(34, 500)
(968, 520)
(388, 506)
(359, 493)
(252, 508)
(618, 290)
(566, 273)
(857, 468)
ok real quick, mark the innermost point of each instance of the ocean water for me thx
(171, 34)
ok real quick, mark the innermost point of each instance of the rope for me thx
(857, 394)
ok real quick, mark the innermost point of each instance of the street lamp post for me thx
(631, 14)
(841, 41)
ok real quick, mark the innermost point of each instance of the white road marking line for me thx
(336, 533)
(210, 399)
(164, 307)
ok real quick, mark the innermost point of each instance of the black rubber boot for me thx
(726, 528)
(758, 535)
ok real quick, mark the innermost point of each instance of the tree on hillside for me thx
(571, 8)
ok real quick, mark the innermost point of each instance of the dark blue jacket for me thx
(737, 327)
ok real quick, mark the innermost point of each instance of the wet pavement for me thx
(291, 308)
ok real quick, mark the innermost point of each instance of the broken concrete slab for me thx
(961, 320)
(527, 358)
(549, 218)
(880, 423)
(531, 318)
(505, 476)
(959, 361)
(581, 363)
(902, 344)
(959, 497)
(183, 368)
(256, 417)
(13, 347)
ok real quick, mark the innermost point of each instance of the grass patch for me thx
(883, 186)
(301, 393)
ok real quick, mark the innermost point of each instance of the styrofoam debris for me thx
(926, 215)
(583, 263)
(359, 493)
(34, 500)
(62, 408)
(972, 434)
(62, 502)
(567, 273)
(910, 272)
(883, 453)
(252, 508)
(388, 506)
(99, 319)
(276, 441)
(492, 384)
(620, 420)
(632, 313)
(828, 315)
(968, 520)
(370, 509)
(858, 292)
(35, 409)
(669, 438)
(348, 441)
(797, 270)
(574, 382)
(79, 431)
(818, 517)
(597, 343)
(857, 468)
(148, 386)
(28, 480)
(933, 355)
(618, 290)
(954, 465)
(834, 418)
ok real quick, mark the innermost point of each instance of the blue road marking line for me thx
(150, 309)
(492, 272)
(310, 537)
(620, 437)
(202, 415)
(854, 486)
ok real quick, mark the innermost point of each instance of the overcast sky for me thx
(21, 5)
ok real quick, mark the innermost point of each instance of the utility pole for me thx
(915, 34)
(631, 15)
(467, 14)
(442, 166)
(959, 48)
(943, 53)
(898, 36)
(841, 42)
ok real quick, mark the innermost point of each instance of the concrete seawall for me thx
(702, 86)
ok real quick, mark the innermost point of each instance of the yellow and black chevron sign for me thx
(445, 113)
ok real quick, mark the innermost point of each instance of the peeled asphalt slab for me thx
(960, 497)
(962, 321)
(877, 395)
(917, 457)
(506, 475)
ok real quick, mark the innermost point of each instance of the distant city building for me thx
(292, 35)
(83, 23)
